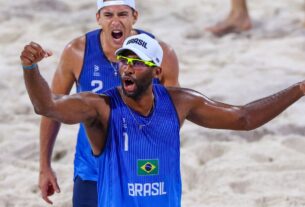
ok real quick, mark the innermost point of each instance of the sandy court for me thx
(261, 168)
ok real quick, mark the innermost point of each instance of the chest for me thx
(98, 76)
(144, 136)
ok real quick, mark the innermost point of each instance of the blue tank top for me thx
(98, 74)
(140, 165)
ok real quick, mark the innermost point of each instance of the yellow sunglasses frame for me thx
(130, 61)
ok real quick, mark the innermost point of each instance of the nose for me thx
(115, 20)
(127, 69)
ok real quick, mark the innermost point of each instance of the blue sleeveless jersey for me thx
(140, 165)
(98, 74)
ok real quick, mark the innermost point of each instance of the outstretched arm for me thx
(259, 112)
(66, 109)
(212, 114)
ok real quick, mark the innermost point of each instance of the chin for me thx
(132, 94)
(118, 42)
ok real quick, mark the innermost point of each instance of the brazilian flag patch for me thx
(148, 167)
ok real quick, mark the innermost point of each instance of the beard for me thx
(141, 86)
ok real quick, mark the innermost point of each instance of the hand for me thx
(33, 53)
(302, 87)
(48, 184)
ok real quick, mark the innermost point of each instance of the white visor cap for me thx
(102, 3)
(145, 47)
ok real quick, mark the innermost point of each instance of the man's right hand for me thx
(33, 53)
(302, 87)
(48, 184)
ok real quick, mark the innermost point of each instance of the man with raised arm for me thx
(90, 62)
(134, 129)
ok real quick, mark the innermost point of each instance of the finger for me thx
(40, 51)
(34, 53)
(44, 194)
(50, 190)
(25, 60)
(48, 53)
(35, 45)
(55, 185)
(29, 55)
(33, 49)
(48, 200)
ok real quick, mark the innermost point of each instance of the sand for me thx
(261, 168)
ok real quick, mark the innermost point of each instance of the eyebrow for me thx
(123, 12)
(106, 13)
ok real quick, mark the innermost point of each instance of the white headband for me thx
(101, 3)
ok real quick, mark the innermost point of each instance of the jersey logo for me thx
(148, 167)
(96, 72)
(125, 135)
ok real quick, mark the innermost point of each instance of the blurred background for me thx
(261, 168)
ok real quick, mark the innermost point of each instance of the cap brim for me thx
(139, 53)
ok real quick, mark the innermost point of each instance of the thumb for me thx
(48, 53)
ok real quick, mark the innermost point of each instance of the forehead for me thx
(116, 8)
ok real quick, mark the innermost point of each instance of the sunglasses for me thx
(136, 63)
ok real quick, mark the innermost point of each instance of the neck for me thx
(108, 48)
(143, 104)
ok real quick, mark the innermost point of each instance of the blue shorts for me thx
(84, 193)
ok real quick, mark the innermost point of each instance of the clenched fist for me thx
(33, 53)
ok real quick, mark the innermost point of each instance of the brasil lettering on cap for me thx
(137, 41)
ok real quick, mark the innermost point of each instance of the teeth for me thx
(128, 81)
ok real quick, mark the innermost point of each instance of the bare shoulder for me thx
(71, 61)
(184, 94)
(76, 47)
(189, 99)
(170, 66)
(166, 47)
(169, 54)
(184, 100)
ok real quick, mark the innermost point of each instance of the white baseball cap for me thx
(102, 3)
(144, 46)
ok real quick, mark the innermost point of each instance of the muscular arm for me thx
(208, 113)
(67, 71)
(170, 66)
(67, 109)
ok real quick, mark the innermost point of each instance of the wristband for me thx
(29, 67)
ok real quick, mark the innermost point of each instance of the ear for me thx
(135, 15)
(98, 16)
(158, 71)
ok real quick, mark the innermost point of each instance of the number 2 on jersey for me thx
(98, 85)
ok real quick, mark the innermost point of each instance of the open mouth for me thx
(129, 84)
(116, 34)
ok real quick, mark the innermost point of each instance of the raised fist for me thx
(33, 53)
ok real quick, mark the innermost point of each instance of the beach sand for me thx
(260, 168)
